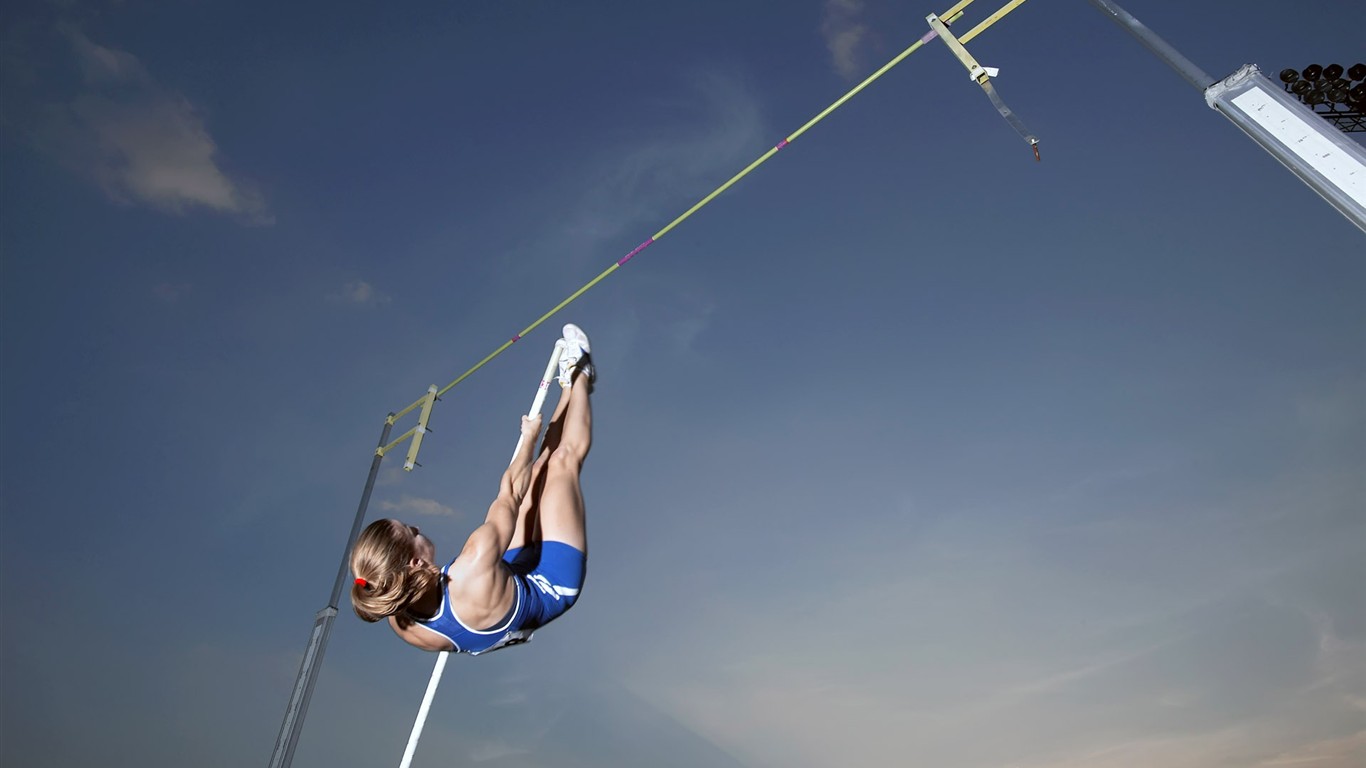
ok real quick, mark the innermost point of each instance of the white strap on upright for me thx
(551, 368)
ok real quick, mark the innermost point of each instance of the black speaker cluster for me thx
(1334, 92)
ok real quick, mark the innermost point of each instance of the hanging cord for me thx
(980, 74)
(1011, 117)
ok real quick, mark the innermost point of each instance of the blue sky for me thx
(909, 450)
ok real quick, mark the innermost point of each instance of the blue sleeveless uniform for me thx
(547, 576)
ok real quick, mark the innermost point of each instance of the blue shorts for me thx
(552, 575)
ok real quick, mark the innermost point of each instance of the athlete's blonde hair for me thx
(387, 581)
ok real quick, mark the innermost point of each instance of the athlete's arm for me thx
(490, 540)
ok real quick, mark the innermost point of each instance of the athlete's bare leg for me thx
(561, 497)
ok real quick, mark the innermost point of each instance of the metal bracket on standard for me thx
(982, 76)
(415, 434)
(424, 416)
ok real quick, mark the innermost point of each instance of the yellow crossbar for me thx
(992, 19)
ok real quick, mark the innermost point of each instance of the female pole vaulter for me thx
(519, 570)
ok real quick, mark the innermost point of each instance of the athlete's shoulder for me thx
(418, 636)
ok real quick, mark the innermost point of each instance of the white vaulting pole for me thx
(551, 368)
(422, 710)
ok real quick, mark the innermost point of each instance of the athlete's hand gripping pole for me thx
(536, 405)
(550, 369)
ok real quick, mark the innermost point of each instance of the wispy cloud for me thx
(1245, 744)
(141, 142)
(359, 292)
(417, 506)
(1345, 752)
(719, 124)
(710, 125)
(844, 31)
(493, 750)
(1338, 663)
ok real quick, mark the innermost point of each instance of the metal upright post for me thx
(1183, 66)
(283, 755)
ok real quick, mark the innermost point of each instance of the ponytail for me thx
(387, 581)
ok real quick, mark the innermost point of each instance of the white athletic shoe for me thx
(575, 356)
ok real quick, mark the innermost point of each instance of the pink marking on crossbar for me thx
(636, 250)
(516, 338)
(782, 144)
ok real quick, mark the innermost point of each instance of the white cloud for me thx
(141, 142)
(106, 65)
(417, 506)
(843, 32)
(392, 476)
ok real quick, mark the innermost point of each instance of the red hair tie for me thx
(362, 583)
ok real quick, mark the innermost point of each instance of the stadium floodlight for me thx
(1322, 157)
